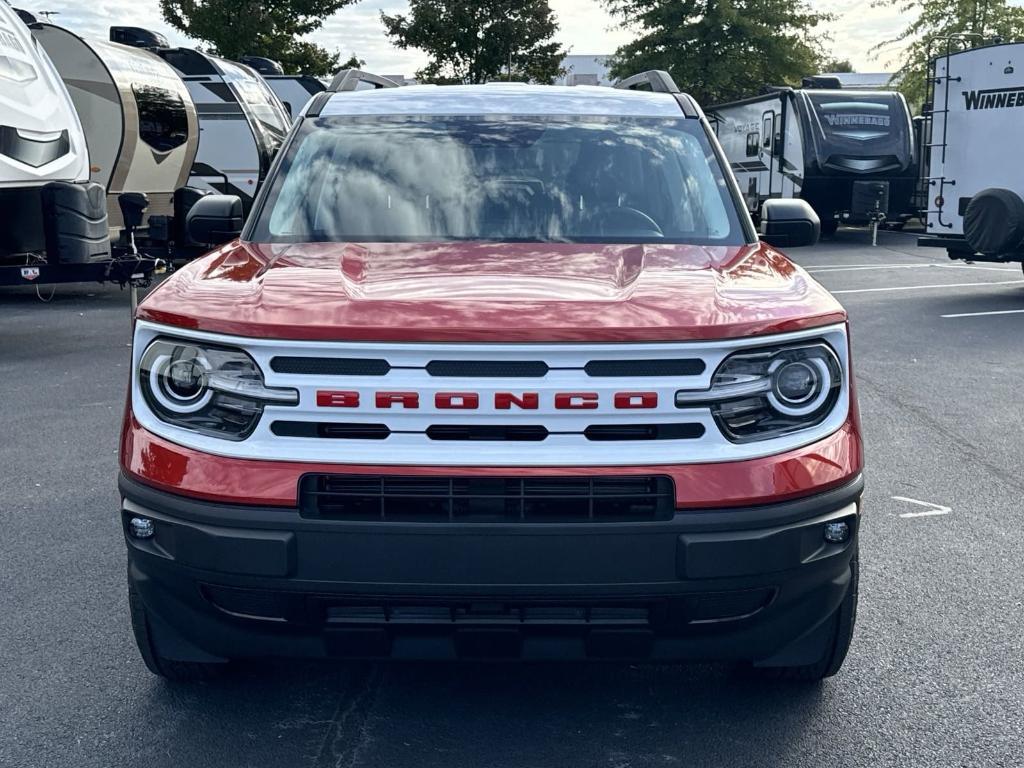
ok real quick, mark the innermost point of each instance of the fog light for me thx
(141, 528)
(835, 533)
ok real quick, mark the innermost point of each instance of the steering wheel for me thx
(622, 219)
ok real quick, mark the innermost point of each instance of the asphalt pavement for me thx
(935, 676)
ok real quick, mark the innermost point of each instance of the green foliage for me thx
(353, 62)
(474, 41)
(936, 23)
(837, 65)
(271, 28)
(721, 50)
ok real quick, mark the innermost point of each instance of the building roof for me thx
(503, 99)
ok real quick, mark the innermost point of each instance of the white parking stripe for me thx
(845, 267)
(932, 508)
(923, 287)
(984, 314)
(867, 267)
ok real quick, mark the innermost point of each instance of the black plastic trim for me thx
(141, 497)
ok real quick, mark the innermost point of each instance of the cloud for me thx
(585, 28)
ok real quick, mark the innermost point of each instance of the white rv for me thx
(54, 225)
(294, 91)
(849, 154)
(975, 171)
(140, 125)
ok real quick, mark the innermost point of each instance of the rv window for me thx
(767, 132)
(163, 121)
(753, 143)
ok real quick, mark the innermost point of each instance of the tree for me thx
(720, 50)
(837, 65)
(961, 23)
(354, 62)
(271, 28)
(474, 41)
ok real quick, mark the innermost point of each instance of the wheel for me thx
(829, 227)
(170, 669)
(843, 621)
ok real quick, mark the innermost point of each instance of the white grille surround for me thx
(565, 445)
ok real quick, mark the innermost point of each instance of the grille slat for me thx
(656, 367)
(330, 366)
(488, 432)
(488, 368)
(487, 499)
(519, 369)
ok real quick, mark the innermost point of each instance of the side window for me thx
(163, 121)
(753, 143)
(767, 131)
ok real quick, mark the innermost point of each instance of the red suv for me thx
(497, 371)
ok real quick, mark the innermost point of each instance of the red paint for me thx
(457, 400)
(627, 400)
(337, 399)
(828, 463)
(404, 399)
(528, 401)
(576, 401)
(493, 292)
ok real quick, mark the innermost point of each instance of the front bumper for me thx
(229, 581)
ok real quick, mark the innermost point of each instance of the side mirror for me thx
(214, 219)
(789, 223)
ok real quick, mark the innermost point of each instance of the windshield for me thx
(499, 178)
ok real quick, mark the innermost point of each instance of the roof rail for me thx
(348, 79)
(657, 80)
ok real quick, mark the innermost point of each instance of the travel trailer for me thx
(975, 188)
(849, 154)
(294, 91)
(55, 218)
(241, 121)
(141, 129)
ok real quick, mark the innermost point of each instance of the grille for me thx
(386, 498)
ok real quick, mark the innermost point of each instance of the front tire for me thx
(843, 621)
(169, 669)
(829, 227)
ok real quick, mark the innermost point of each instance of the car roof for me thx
(503, 99)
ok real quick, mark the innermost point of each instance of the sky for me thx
(585, 28)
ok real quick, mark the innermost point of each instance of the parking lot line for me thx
(932, 509)
(984, 314)
(923, 287)
(930, 265)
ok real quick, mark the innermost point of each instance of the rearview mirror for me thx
(789, 223)
(214, 219)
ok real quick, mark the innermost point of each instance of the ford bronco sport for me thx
(498, 371)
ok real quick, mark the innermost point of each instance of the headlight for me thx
(765, 393)
(217, 391)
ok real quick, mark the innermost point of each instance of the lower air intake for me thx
(629, 498)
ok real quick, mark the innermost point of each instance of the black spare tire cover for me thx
(994, 221)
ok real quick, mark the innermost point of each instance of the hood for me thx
(507, 292)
